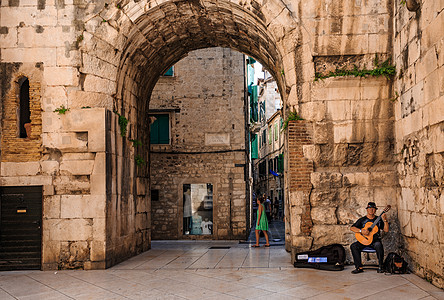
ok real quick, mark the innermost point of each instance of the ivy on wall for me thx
(292, 116)
(380, 69)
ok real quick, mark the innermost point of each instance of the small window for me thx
(154, 195)
(169, 72)
(160, 129)
(25, 112)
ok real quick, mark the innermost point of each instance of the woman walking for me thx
(261, 223)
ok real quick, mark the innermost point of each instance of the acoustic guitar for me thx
(372, 228)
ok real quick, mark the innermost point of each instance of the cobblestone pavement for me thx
(212, 270)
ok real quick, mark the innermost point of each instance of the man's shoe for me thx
(357, 271)
(380, 270)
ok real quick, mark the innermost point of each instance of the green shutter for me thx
(253, 103)
(164, 130)
(160, 130)
(250, 61)
(281, 163)
(254, 147)
(169, 72)
(154, 133)
(270, 135)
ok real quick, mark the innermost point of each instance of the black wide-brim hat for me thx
(371, 205)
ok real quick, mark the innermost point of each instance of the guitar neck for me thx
(376, 221)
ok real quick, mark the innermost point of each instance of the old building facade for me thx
(204, 102)
(268, 138)
(361, 137)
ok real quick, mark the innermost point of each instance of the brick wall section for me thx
(300, 168)
(15, 149)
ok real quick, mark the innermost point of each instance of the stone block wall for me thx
(71, 170)
(127, 223)
(419, 131)
(348, 121)
(204, 99)
(74, 210)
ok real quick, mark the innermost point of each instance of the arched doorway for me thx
(151, 40)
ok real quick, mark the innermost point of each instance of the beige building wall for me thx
(419, 131)
(349, 122)
(205, 102)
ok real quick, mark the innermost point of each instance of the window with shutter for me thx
(169, 72)
(160, 129)
(254, 148)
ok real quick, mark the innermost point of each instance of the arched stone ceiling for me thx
(166, 33)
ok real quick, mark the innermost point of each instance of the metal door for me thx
(20, 228)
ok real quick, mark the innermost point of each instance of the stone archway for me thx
(137, 42)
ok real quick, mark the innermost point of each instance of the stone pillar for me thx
(299, 187)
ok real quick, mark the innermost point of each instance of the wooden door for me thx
(20, 228)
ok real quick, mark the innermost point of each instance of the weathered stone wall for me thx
(419, 128)
(349, 122)
(127, 223)
(14, 148)
(205, 96)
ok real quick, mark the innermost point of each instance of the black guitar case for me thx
(331, 258)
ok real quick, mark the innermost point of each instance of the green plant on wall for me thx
(292, 116)
(135, 143)
(61, 110)
(139, 160)
(380, 69)
(395, 97)
(123, 124)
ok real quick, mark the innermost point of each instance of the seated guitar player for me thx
(367, 230)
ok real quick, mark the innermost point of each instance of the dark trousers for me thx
(357, 247)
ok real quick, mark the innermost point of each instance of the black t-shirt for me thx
(360, 223)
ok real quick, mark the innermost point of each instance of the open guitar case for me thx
(330, 258)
